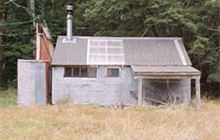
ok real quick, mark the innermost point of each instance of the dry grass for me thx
(66, 121)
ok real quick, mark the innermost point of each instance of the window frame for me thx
(80, 72)
(113, 67)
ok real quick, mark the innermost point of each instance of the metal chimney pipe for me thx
(69, 30)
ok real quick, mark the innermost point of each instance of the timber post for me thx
(198, 94)
(140, 92)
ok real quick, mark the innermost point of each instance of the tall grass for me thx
(66, 121)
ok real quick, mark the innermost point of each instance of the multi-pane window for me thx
(75, 72)
(80, 72)
(102, 51)
(112, 72)
(68, 72)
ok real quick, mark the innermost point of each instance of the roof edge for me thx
(108, 37)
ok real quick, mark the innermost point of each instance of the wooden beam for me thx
(164, 77)
(38, 45)
(140, 93)
(167, 73)
(198, 96)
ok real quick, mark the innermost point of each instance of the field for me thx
(66, 121)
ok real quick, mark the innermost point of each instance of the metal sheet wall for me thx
(32, 82)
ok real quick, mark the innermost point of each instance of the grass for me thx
(7, 98)
(67, 121)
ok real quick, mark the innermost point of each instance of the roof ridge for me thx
(109, 37)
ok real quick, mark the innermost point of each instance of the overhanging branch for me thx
(29, 11)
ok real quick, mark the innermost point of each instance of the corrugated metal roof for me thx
(165, 69)
(70, 53)
(138, 51)
(156, 52)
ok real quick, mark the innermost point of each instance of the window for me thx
(80, 72)
(68, 72)
(84, 72)
(112, 72)
(92, 72)
(101, 51)
(76, 72)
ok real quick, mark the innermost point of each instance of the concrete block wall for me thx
(100, 90)
(114, 91)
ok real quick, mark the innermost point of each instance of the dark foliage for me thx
(196, 21)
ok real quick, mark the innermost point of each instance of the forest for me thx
(196, 21)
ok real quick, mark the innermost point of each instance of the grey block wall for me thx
(31, 82)
(100, 90)
(112, 91)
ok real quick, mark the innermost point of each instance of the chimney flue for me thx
(69, 30)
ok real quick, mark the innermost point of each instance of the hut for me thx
(121, 70)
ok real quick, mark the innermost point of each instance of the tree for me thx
(3, 13)
(188, 19)
(17, 37)
(196, 21)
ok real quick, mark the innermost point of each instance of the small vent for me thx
(105, 52)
